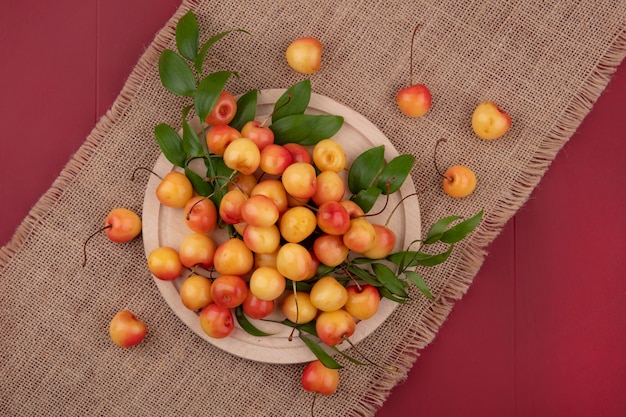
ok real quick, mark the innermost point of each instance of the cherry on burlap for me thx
(545, 62)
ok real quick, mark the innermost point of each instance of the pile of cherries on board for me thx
(299, 194)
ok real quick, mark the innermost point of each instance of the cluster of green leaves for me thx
(181, 72)
(399, 269)
(371, 176)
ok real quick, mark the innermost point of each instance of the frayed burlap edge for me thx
(408, 350)
(469, 264)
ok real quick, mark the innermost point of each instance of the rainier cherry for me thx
(328, 294)
(297, 223)
(164, 263)
(415, 100)
(300, 180)
(197, 249)
(126, 329)
(304, 55)
(200, 214)
(320, 379)
(329, 155)
(216, 321)
(330, 249)
(258, 133)
(489, 121)
(224, 110)
(458, 181)
(363, 301)
(174, 190)
(229, 291)
(334, 326)
(120, 225)
(266, 283)
(195, 292)
(256, 308)
(361, 236)
(383, 244)
(233, 257)
(219, 137)
(294, 261)
(298, 308)
(242, 155)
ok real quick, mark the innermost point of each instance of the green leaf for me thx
(305, 129)
(437, 229)
(419, 282)
(171, 144)
(389, 279)
(320, 353)
(461, 230)
(246, 325)
(246, 109)
(413, 258)
(367, 198)
(199, 60)
(385, 293)
(222, 172)
(348, 357)
(396, 172)
(191, 141)
(201, 187)
(208, 92)
(364, 275)
(365, 169)
(293, 101)
(175, 74)
(187, 36)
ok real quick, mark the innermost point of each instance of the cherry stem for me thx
(398, 205)
(313, 404)
(386, 367)
(435, 159)
(295, 297)
(351, 276)
(132, 178)
(387, 187)
(411, 55)
(276, 109)
(108, 226)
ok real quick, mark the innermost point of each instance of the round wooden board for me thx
(164, 226)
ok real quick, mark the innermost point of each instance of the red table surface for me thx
(541, 332)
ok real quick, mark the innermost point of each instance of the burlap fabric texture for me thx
(545, 62)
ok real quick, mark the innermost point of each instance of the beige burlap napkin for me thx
(544, 62)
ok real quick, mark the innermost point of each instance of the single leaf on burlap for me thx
(436, 230)
(461, 230)
(175, 74)
(419, 282)
(187, 36)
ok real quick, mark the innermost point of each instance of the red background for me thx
(541, 332)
